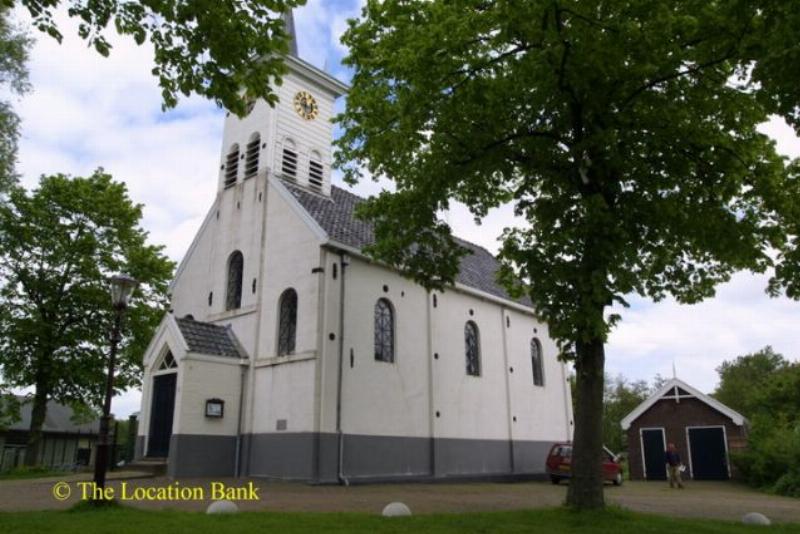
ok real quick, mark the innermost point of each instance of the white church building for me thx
(288, 353)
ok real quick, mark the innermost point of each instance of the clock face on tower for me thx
(305, 105)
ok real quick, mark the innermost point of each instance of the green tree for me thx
(213, 48)
(741, 381)
(13, 81)
(624, 133)
(58, 246)
(772, 457)
(620, 398)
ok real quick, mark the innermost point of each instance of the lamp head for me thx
(122, 287)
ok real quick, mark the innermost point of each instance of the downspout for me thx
(504, 325)
(340, 434)
(238, 457)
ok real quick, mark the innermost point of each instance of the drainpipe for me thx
(238, 453)
(340, 463)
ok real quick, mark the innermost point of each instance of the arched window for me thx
(232, 166)
(289, 162)
(472, 349)
(384, 331)
(315, 170)
(287, 322)
(537, 363)
(251, 155)
(233, 297)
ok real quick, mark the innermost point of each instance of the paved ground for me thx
(699, 499)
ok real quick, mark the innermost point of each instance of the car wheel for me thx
(554, 479)
(618, 479)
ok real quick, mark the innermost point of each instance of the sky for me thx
(86, 111)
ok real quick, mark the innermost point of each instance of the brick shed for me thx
(703, 429)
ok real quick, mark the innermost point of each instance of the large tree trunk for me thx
(38, 413)
(586, 486)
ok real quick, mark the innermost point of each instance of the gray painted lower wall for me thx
(200, 455)
(314, 457)
(138, 448)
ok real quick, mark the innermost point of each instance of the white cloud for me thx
(739, 320)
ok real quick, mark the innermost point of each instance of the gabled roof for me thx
(335, 215)
(208, 338)
(684, 390)
(57, 419)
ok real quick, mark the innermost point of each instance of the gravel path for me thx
(700, 499)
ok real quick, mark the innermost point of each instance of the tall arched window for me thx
(251, 155)
(384, 331)
(233, 297)
(472, 349)
(232, 166)
(287, 322)
(537, 363)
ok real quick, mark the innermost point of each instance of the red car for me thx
(559, 464)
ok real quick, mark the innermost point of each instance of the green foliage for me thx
(214, 48)
(9, 408)
(788, 484)
(615, 128)
(620, 398)
(23, 472)
(774, 47)
(13, 80)
(772, 459)
(58, 246)
(741, 381)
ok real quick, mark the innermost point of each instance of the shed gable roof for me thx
(668, 392)
(336, 216)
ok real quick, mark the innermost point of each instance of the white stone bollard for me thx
(222, 507)
(396, 509)
(754, 518)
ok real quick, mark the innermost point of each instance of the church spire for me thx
(288, 22)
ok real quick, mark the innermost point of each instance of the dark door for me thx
(161, 412)
(709, 461)
(654, 449)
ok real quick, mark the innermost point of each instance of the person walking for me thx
(673, 460)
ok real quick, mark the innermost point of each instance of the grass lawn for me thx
(554, 520)
(34, 472)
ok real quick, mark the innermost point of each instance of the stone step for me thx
(157, 466)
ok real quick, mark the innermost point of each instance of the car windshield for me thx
(564, 452)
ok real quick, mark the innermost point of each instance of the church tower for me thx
(222, 274)
(292, 140)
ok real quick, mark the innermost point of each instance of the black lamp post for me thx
(121, 289)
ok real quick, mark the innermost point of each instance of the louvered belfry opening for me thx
(289, 164)
(251, 156)
(315, 174)
(232, 166)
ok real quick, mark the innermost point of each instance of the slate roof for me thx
(207, 338)
(335, 216)
(58, 419)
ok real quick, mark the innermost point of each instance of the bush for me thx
(788, 484)
(772, 460)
